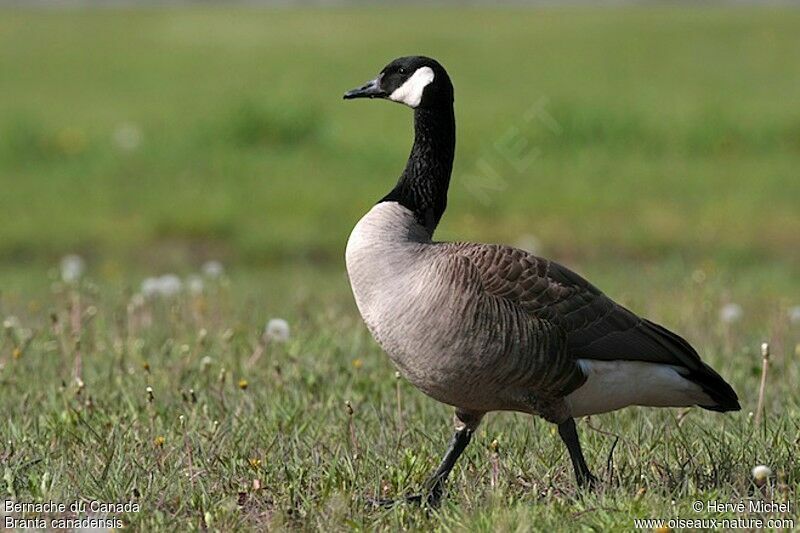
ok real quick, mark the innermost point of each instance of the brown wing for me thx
(596, 327)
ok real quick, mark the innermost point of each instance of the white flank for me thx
(612, 385)
(410, 93)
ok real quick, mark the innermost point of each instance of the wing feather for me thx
(595, 326)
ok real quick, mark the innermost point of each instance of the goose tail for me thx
(720, 392)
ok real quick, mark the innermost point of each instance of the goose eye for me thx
(401, 70)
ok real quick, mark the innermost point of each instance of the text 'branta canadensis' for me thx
(486, 327)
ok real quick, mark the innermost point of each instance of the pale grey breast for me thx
(425, 304)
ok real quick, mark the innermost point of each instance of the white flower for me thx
(205, 363)
(72, 268)
(151, 287)
(11, 322)
(529, 243)
(213, 269)
(794, 314)
(730, 313)
(166, 286)
(170, 285)
(761, 473)
(127, 137)
(277, 330)
(195, 284)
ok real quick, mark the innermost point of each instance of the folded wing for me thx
(596, 327)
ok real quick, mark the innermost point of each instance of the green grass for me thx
(290, 431)
(655, 151)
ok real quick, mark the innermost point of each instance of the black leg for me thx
(466, 423)
(457, 446)
(569, 435)
(435, 484)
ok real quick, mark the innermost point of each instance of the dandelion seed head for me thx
(165, 286)
(150, 287)
(127, 137)
(170, 285)
(195, 284)
(277, 330)
(72, 268)
(11, 322)
(730, 313)
(205, 363)
(213, 269)
(761, 473)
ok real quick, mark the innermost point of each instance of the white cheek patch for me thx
(410, 93)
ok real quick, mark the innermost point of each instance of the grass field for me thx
(656, 151)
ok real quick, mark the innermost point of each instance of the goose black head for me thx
(415, 81)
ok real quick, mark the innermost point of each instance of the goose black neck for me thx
(422, 188)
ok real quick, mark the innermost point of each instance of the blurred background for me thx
(178, 183)
(154, 139)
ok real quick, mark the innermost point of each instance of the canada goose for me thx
(487, 327)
